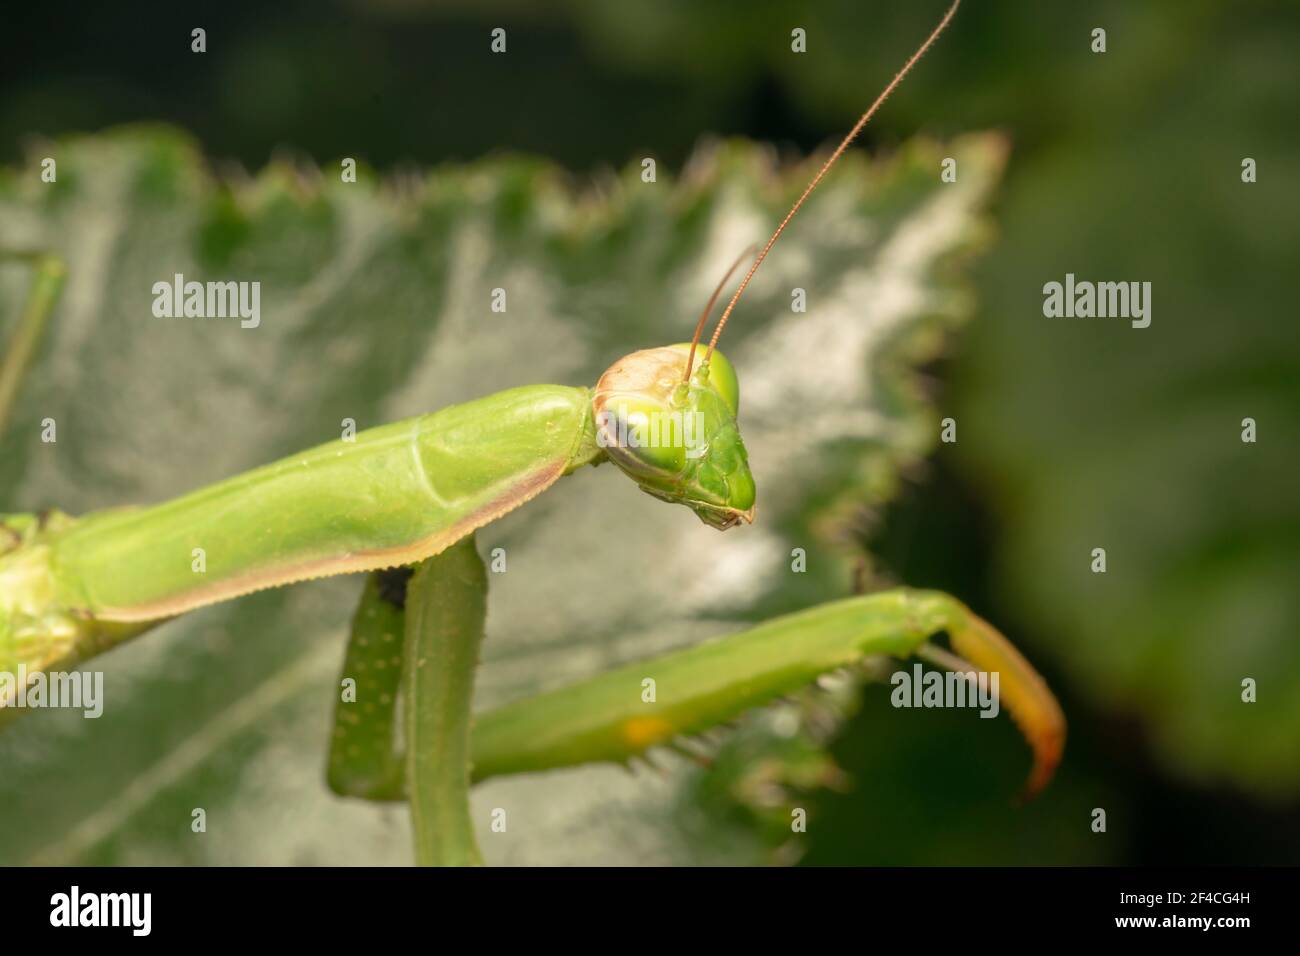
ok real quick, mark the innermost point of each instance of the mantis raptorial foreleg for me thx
(20, 350)
(47, 283)
(364, 759)
(446, 608)
(605, 719)
(417, 634)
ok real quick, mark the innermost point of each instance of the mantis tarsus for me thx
(413, 493)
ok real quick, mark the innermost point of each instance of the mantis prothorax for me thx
(405, 493)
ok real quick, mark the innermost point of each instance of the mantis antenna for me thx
(704, 316)
(839, 150)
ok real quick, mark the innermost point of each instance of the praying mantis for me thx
(402, 503)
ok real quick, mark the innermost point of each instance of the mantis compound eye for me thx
(678, 441)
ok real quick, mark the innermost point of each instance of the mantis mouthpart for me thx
(411, 494)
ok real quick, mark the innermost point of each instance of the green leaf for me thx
(375, 303)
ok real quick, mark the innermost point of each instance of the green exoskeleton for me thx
(411, 494)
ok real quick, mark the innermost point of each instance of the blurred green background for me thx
(1072, 434)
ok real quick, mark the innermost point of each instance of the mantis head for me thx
(677, 439)
(673, 432)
